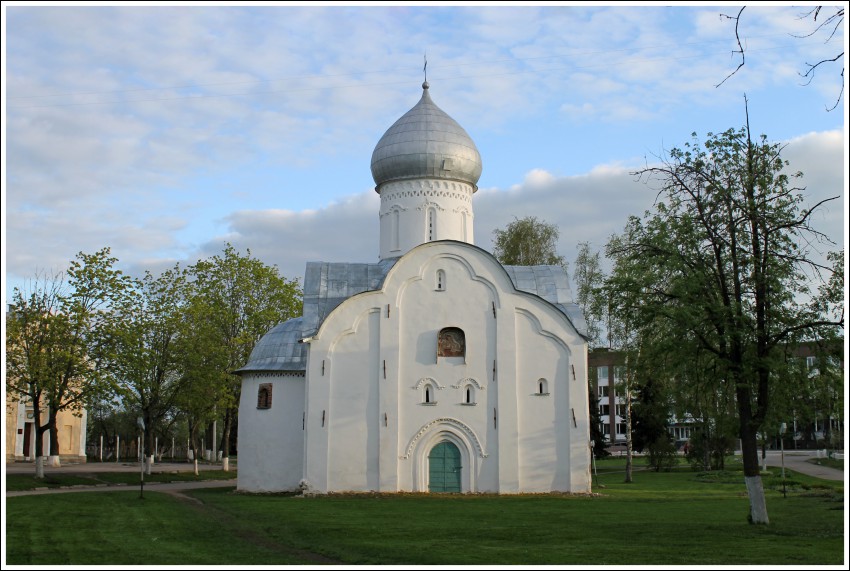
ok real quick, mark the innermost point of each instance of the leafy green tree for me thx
(234, 300)
(146, 361)
(650, 419)
(723, 260)
(34, 336)
(590, 296)
(597, 436)
(204, 386)
(628, 327)
(60, 339)
(528, 242)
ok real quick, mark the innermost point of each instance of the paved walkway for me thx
(149, 487)
(96, 467)
(797, 460)
(91, 468)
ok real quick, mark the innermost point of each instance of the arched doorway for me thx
(444, 468)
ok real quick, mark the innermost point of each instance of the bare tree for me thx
(829, 25)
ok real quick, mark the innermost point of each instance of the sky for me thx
(166, 131)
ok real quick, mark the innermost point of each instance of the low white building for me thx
(435, 368)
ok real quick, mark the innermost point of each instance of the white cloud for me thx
(236, 110)
(588, 208)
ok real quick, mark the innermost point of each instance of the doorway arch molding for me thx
(445, 430)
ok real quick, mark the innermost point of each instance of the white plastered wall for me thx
(407, 208)
(271, 458)
(367, 425)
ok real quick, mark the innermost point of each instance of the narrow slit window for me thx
(432, 224)
(428, 394)
(542, 387)
(465, 236)
(394, 230)
(441, 280)
(469, 395)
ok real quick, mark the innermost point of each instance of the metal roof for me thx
(426, 143)
(279, 350)
(549, 282)
(552, 284)
(328, 284)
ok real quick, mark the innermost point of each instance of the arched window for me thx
(428, 394)
(542, 387)
(468, 394)
(463, 222)
(432, 224)
(394, 223)
(264, 396)
(441, 280)
(451, 342)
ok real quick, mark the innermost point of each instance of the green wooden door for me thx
(444, 468)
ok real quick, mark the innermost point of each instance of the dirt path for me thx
(244, 533)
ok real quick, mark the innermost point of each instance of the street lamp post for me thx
(782, 428)
(141, 422)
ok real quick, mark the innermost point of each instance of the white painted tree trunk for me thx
(54, 462)
(629, 447)
(196, 466)
(225, 464)
(758, 507)
(148, 464)
(39, 466)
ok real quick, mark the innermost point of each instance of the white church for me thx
(435, 369)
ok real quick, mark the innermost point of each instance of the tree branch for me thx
(740, 49)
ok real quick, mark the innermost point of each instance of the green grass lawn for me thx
(669, 518)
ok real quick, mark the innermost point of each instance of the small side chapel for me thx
(435, 369)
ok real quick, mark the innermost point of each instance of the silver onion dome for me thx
(426, 143)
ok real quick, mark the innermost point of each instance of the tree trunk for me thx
(209, 442)
(764, 455)
(148, 442)
(758, 507)
(38, 434)
(225, 439)
(150, 436)
(628, 432)
(193, 439)
(752, 477)
(53, 440)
